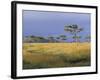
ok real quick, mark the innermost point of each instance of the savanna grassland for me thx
(52, 55)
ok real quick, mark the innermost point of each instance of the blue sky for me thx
(42, 23)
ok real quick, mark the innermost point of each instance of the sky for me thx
(43, 23)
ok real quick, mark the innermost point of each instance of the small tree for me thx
(73, 29)
(63, 37)
(88, 38)
(31, 36)
(77, 38)
(51, 38)
(57, 38)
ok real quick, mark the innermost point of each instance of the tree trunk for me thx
(75, 38)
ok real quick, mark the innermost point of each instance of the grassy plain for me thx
(52, 55)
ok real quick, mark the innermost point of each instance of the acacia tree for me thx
(63, 37)
(58, 38)
(51, 38)
(73, 29)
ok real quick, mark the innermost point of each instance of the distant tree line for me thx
(60, 38)
(72, 29)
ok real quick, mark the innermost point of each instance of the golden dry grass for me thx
(49, 55)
